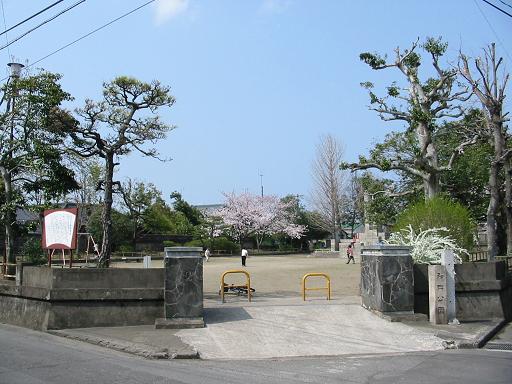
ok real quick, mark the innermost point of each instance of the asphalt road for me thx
(29, 357)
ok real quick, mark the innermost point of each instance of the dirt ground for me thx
(279, 276)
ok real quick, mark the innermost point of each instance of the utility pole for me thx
(261, 183)
(10, 214)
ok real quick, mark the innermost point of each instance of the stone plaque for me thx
(448, 260)
(438, 302)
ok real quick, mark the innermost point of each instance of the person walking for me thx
(350, 253)
(207, 254)
(244, 256)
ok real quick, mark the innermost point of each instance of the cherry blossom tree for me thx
(247, 215)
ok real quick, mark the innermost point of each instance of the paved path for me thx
(289, 327)
(277, 323)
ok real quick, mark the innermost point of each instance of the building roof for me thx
(208, 207)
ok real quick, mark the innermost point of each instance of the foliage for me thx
(427, 245)
(422, 104)
(352, 211)
(439, 213)
(469, 175)
(160, 218)
(88, 173)
(31, 164)
(210, 227)
(125, 248)
(32, 251)
(121, 228)
(195, 243)
(192, 214)
(380, 208)
(225, 244)
(115, 127)
(137, 198)
(490, 88)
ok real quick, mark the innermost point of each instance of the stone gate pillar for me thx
(387, 281)
(183, 288)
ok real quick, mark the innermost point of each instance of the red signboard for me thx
(60, 228)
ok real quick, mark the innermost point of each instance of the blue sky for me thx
(256, 81)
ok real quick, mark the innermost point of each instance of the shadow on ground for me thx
(225, 315)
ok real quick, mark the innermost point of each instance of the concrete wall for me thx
(483, 291)
(51, 298)
(56, 278)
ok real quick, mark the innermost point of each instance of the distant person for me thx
(244, 256)
(207, 254)
(350, 253)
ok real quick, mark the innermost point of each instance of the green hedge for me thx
(439, 212)
(225, 244)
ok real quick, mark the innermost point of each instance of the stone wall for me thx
(483, 291)
(51, 298)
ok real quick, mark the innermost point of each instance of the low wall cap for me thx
(379, 247)
(183, 251)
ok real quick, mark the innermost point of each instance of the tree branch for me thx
(397, 167)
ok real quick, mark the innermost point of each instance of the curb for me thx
(142, 350)
(482, 338)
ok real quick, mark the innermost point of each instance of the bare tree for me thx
(422, 106)
(328, 185)
(112, 128)
(353, 207)
(490, 90)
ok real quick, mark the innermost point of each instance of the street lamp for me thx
(15, 69)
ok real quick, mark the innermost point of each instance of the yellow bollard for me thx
(327, 287)
(247, 281)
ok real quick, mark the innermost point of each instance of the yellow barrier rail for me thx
(247, 282)
(327, 287)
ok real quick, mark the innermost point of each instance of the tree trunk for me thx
(337, 237)
(9, 219)
(106, 216)
(508, 204)
(134, 235)
(431, 186)
(498, 143)
(431, 183)
(259, 240)
(492, 210)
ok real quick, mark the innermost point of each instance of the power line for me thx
(507, 4)
(5, 26)
(492, 29)
(43, 23)
(92, 32)
(31, 17)
(498, 8)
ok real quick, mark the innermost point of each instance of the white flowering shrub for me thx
(428, 245)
